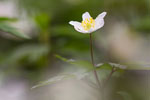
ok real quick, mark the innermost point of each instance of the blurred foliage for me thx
(6, 27)
(125, 95)
(3, 19)
(88, 68)
(43, 21)
(31, 52)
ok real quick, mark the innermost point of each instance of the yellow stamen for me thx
(88, 23)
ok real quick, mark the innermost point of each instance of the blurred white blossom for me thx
(89, 25)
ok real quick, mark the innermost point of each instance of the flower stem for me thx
(92, 59)
(109, 76)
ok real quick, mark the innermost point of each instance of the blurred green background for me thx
(32, 32)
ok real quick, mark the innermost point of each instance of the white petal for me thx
(79, 30)
(75, 23)
(101, 16)
(99, 24)
(99, 21)
(86, 15)
(77, 26)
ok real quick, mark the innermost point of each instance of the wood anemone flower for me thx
(89, 25)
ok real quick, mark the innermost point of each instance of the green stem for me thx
(92, 59)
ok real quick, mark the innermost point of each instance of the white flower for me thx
(89, 25)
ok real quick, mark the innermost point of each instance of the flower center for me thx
(88, 23)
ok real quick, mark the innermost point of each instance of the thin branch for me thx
(109, 76)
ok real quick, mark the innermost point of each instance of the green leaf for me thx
(126, 66)
(54, 80)
(78, 63)
(106, 69)
(61, 58)
(89, 66)
(9, 29)
(62, 77)
(109, 66)
(106, 66)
